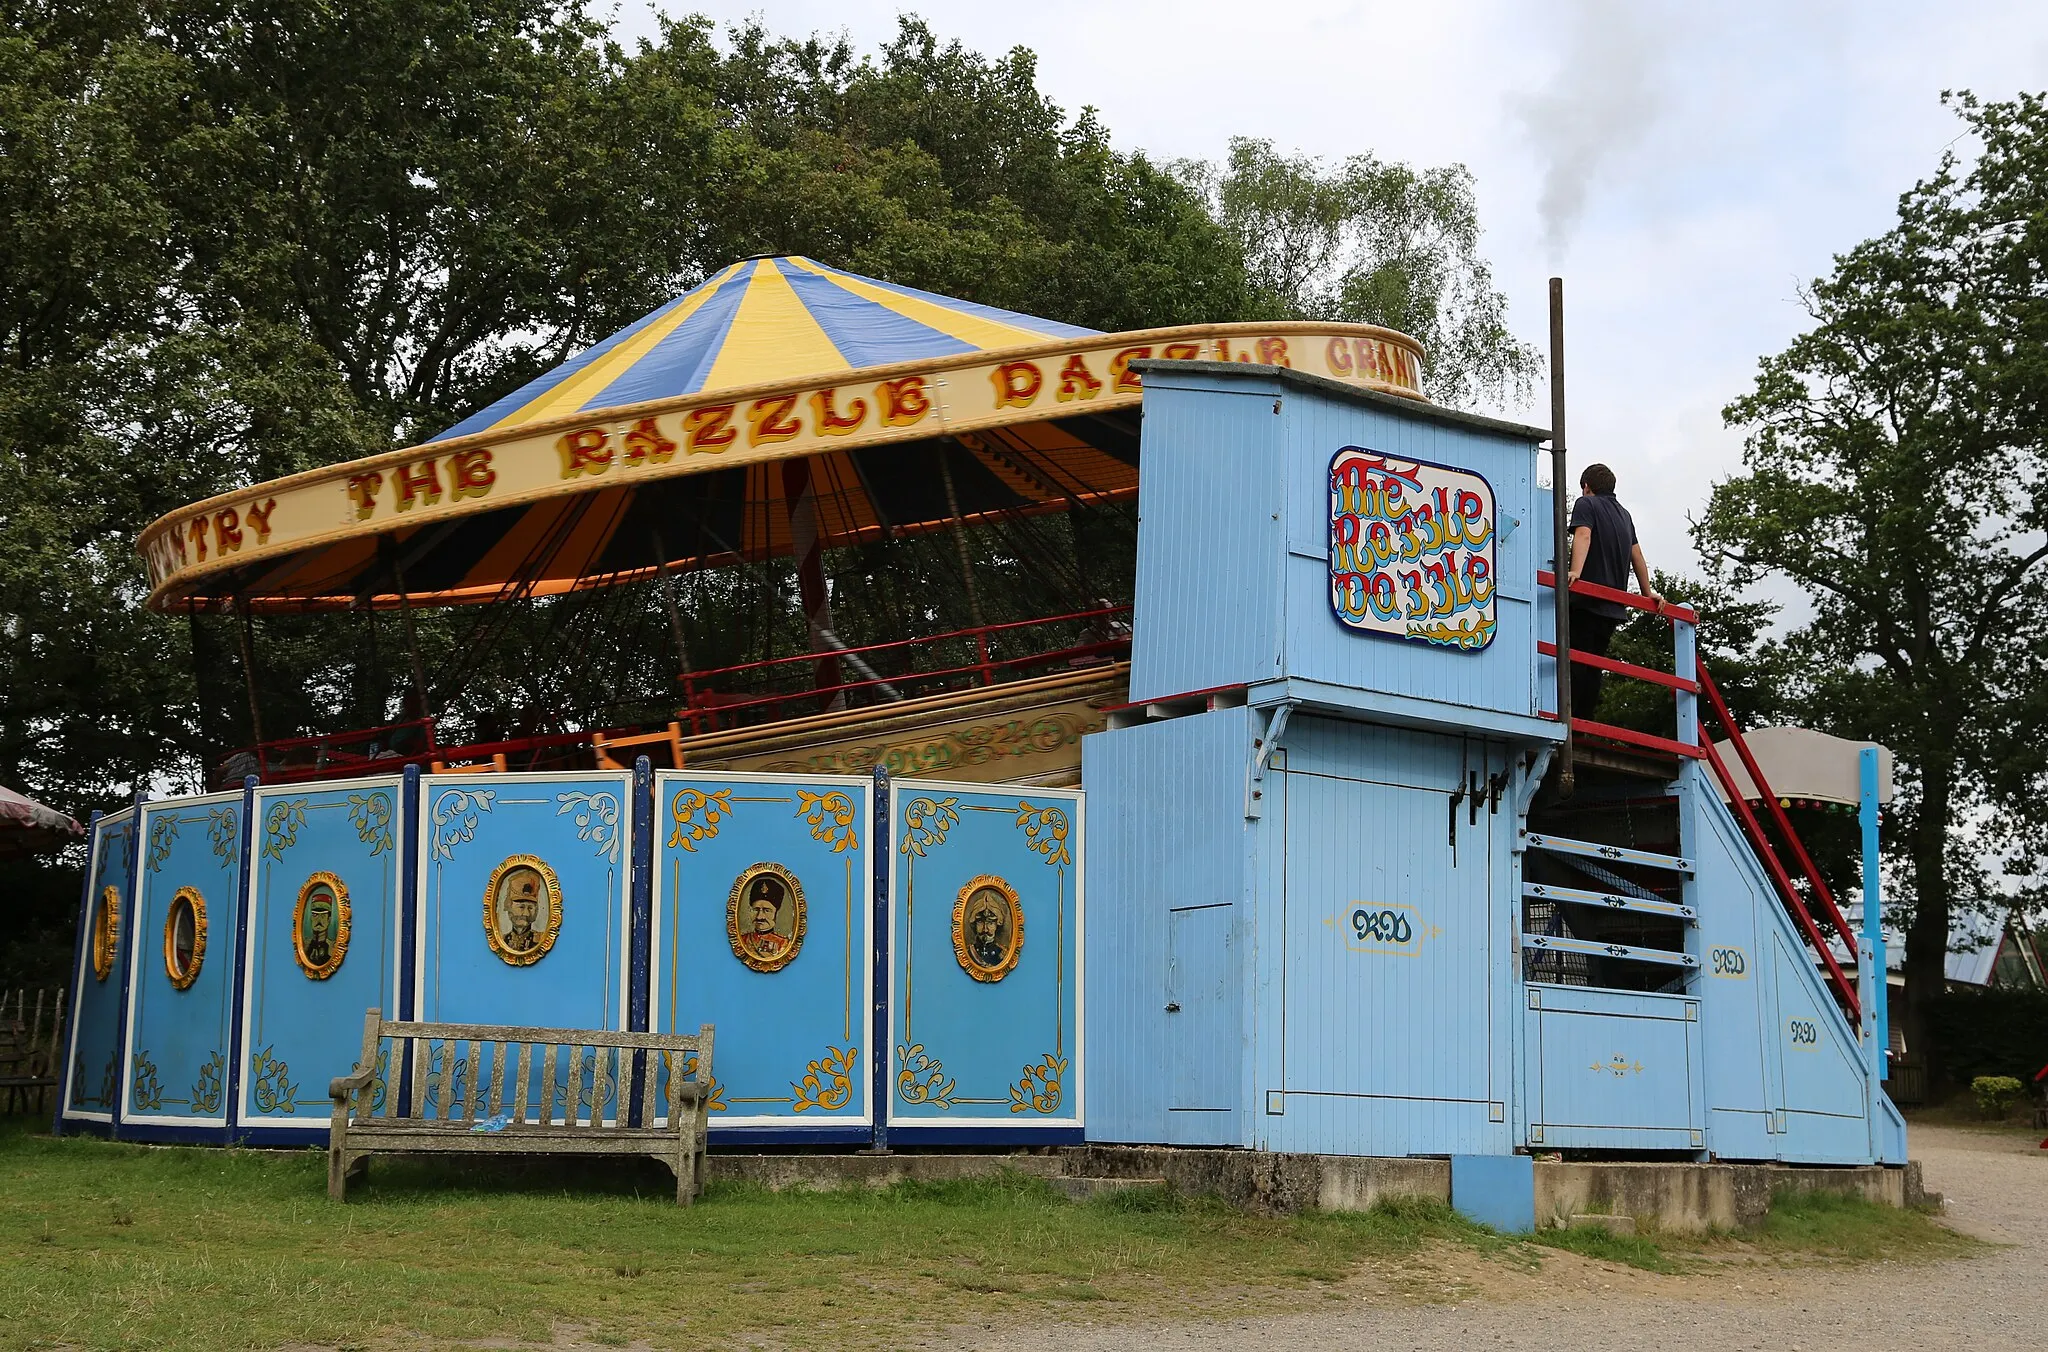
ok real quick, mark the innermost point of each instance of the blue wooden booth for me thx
(1332, 910)
(1328, 898)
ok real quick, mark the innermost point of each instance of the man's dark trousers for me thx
(1591, 633)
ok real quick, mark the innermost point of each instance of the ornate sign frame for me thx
(106, 931)
(1412, 550)
(546, 927)
(739, 935)
(963, 945)
(337, 945)
(190, 898)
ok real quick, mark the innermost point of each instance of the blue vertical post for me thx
(1876, 1020)
(883, 844)
(643, 924)
(75, 995)
(237, 977)
(406, 996)
(126, 962)
(408, 896)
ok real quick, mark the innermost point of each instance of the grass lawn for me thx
(106, 1245)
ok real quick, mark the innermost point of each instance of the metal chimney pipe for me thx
(1567, 779)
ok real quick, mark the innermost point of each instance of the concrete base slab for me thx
(1088, 1189)
(1613, 1225)
(1680, 1197)
(828, 1172)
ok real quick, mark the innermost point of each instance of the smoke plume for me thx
(1598, 104)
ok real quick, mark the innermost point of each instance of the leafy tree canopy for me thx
(1895, 471)
(1374, 242)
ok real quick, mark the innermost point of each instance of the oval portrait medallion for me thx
(522, 909)
(185, 937)
(988, 928)
(320, 925)
(106, 931)
(764, 917)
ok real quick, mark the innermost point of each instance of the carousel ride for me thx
(899, 526)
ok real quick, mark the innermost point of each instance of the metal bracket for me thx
(1262, 755)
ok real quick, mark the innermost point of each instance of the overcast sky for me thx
(1685, 167)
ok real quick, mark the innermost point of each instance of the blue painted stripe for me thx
(679, 363)
(866, 333)
(1050, 328)
(485, 418)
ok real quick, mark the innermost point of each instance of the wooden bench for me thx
(552, 1103)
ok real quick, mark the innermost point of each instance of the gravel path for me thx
(1997, 1189)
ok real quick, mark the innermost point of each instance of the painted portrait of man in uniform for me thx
(522, 910)
(764, 918)
(320, 925)
(988, 928)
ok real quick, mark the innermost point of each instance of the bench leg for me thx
(341, 1171)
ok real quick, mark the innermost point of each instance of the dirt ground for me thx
(1996, 1185)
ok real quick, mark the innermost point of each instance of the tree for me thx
(1894, 471)
(1373, 242)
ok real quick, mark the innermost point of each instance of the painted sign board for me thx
(1411, 550)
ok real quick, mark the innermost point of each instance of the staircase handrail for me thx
(1784, 824)
(1782, 881)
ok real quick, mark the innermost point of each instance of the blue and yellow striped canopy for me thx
(763, 320)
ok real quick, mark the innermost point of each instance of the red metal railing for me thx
(708, 709)
(979, 655)
(1702, 683)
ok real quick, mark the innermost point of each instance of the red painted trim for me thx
(1670, 610)
(1651, 674)
(1609, 732)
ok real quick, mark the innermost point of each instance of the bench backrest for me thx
(468, 1073)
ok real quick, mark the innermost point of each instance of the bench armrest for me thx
(341, 1087)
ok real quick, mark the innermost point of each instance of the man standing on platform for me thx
(1604, 551)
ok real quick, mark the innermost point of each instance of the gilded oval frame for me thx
(191, 898)
(106, 932)
(739, 938)
(337, 944)
(1013, 946)
(545, 931)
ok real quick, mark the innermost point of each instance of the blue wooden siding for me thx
(1209, 570)
(93, 1090)
(1174, 846)
(1393, 954)
(299, 1033)
(178, 1044)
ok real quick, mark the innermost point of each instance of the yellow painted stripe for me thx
(986, 334)
(772, 337)
(580, 388)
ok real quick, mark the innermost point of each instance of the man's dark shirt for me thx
(1607, 560)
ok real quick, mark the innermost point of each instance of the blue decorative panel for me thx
(985, 971)
(108, 923)
(763, 899)
(523, 910)
(323, 942)
(1613, 1069)
(182, 964)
